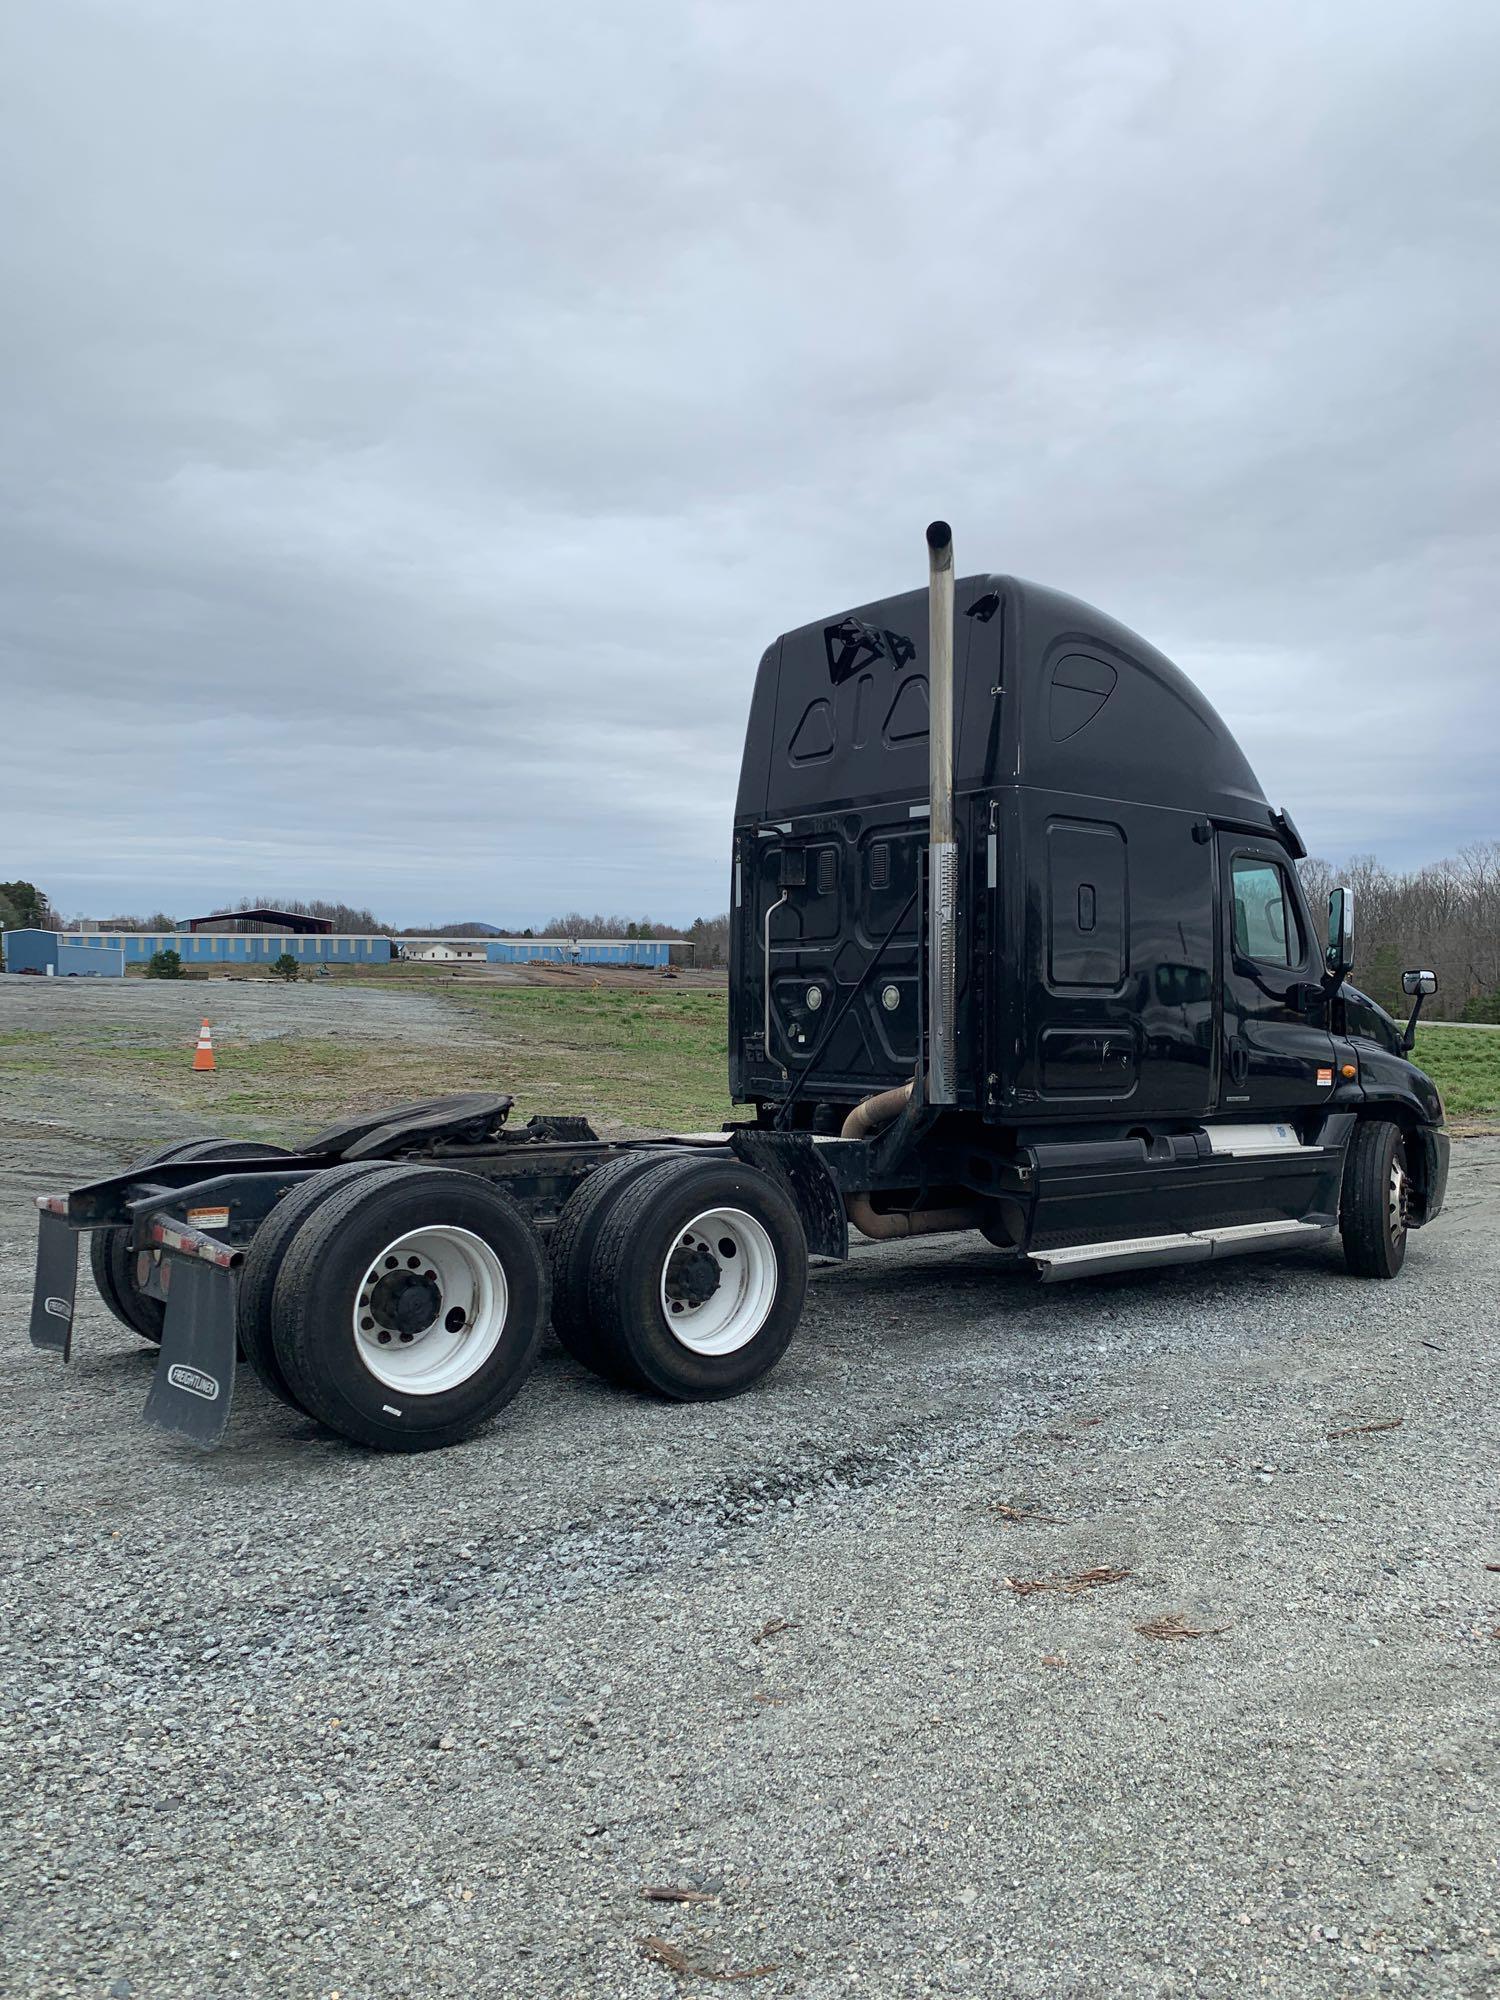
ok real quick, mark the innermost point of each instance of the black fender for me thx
(1428, 1150)
(1390, 1087)
(792, 1159)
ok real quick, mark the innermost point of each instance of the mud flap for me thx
(194, 1379)
(56, 1287)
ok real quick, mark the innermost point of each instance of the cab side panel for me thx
(1116, 935)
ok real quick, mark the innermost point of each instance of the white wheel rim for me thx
(430, 1310)
(718, 1281)
(1398, 1199)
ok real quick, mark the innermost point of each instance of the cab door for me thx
(1277, 1054)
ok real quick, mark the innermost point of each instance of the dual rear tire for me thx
(399, 1305)
(684, 1277)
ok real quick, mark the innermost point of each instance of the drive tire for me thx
(110, 1258)
(332, 1272)
(1373, 1207)
(689, 1214)
(571, 1253)
(262, 1267)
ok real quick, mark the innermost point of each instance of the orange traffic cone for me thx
(203, 1057)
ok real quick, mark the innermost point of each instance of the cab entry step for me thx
(1195, 1246)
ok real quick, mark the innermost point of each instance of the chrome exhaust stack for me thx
(890, 1117)
(942, 850)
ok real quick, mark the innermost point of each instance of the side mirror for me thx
(1416, 986)
(1339, 957)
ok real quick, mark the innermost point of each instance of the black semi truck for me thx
(1018, 946)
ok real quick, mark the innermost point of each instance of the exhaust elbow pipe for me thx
(942, 850)
(882, 1226)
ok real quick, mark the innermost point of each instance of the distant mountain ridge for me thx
(459, 930)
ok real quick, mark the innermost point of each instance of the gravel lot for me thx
(295, 1720)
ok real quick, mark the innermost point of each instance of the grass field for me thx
(653, 1064)
(291, 1061)
(650, 1057)
(1464, 1063)
(642, 1059)
(653, 1058)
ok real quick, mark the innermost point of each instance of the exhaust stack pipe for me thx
(942, 851)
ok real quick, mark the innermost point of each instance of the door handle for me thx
(1239, 1061)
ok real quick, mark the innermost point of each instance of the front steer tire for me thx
(409, 1307)
(698, 1277)
(110, 1258)
(1373, 1206)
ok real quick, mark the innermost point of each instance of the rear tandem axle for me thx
(389, 1278)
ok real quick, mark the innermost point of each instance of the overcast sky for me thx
(419, 415)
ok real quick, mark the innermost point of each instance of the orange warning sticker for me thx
(208, 1218)
(1325, 1079)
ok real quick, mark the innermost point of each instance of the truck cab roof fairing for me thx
(1050, 693)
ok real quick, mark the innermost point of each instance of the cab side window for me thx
(1265, 919)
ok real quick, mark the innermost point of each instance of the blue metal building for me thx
(61, 954)
(106, 953)
(579, 951)
(557, 951)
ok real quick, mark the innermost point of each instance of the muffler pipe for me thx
(942, 851)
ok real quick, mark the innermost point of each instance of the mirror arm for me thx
(1409, 1039)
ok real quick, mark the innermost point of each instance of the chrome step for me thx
(1248, 1142)
(1193, 1246)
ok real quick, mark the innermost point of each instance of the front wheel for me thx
(1376, 1194)
(697, 1279)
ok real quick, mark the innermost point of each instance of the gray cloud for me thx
(420, 418)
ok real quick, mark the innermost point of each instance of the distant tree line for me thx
(24, 907)
(1445, 917)
(159, 922)
(709, 937)
(346, 919)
